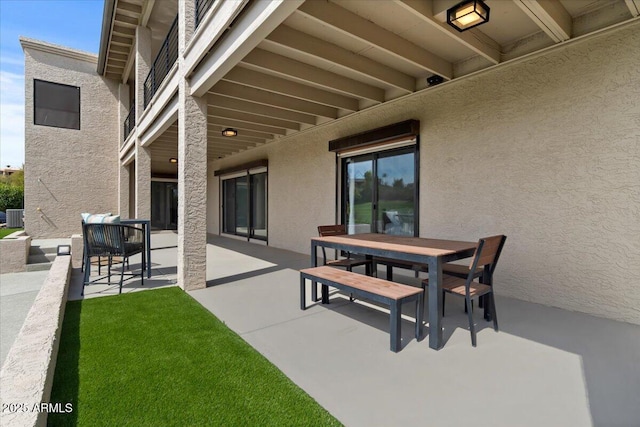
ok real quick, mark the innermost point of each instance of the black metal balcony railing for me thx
(202, 7)
(129, 122)
(167, 56)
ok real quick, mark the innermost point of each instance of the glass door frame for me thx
(250, 234)
(374, 156)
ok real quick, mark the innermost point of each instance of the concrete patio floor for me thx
(546, 366)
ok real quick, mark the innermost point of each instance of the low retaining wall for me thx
(27, 374)
(15, 252)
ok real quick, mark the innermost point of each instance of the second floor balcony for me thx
(167, 56)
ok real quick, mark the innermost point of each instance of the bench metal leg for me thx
(419, 315)
(314, 291)
(303, 305)
(325, 294)
(396, 311)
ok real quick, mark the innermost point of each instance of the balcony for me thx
(162, 64)
(129, 123)
(202, 7)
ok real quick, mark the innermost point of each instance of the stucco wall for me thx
(546, 151)
(69, 171)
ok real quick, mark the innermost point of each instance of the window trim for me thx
(35, 97)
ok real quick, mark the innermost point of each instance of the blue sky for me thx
(71, 23)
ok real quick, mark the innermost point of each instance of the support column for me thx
(123, 190)
(192, 168)
(143, 155)
(123, 170)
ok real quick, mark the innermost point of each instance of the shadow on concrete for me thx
(609, 351)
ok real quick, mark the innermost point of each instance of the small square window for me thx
(56, 105)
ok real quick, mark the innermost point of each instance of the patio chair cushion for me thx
(101, 218)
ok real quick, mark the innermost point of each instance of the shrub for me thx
(11, 197)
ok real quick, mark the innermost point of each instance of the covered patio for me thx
(546, 366)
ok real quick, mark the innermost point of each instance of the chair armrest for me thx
(133, 234)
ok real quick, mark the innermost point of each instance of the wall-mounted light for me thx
(468, 14)
(229, 132)
(173, 160)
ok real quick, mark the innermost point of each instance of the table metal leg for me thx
(419, 315)
(147, 232)
(314, 263)
(435, 308)
(302, 293)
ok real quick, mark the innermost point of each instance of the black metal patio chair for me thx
(487, 253)
(112, 240)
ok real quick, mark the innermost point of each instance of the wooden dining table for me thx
(432, 252)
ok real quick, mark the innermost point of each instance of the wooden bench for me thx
(372, 288)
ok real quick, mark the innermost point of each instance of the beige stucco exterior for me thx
(69, 171)
(545, 150)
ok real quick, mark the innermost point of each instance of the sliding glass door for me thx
(244, 206)
(164, 205)
(380, 192)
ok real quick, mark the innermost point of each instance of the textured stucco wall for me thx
(70, 171)
(14, 252)
(546, 151)
(26, 377)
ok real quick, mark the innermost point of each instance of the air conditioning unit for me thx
(14, 218)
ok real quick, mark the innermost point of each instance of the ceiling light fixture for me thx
(468, 14)
(229, 132)
(173, 160)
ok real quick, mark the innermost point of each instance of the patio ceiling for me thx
(332, 58)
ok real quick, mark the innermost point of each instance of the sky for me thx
(71, 23)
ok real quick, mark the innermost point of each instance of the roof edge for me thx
(28, 43)
(105, 34)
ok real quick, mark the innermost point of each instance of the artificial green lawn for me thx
(4, 232)
(158, 358)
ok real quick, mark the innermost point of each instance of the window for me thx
(379, 192)
(379, 179)
(56, 105)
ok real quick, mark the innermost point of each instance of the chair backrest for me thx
(487, 252)
(104, 239)
(332, 230)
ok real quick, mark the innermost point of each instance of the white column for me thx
(123, 191)
(123, 170)
(192, 167)
(143, 156)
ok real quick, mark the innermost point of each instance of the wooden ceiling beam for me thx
(282, 86)
(298, 41)
(473, 39)
(238, 124)
(304, 73)
(252, 118)
(260, 135)
(260, 96)
(550, 16)
(353, 25)
(260, 109)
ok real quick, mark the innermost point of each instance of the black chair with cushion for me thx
(112, 240)
(486, 255)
